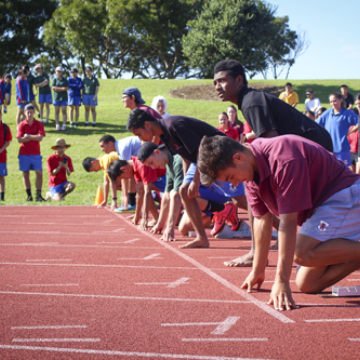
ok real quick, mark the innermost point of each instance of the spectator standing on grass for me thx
(60, 86)
(348, 98)
(225, 126)
(5, 138)
(289, 96)
(31, 79)
(30, 133)
(337, 122)
(59, 166)
(353, 138)
(160, 105)
(7, 96)
(2, 93)
(312, 103)
(234, 121)
(90, 91)
(74, 96)
(22, 96)
(42, 81)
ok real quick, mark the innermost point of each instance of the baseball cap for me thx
(29, 107)
(88, 68)
(136, 92)
(59, 68)
(74, 69)
(146, 150)
(309, 91)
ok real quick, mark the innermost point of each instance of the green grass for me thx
(111, 119)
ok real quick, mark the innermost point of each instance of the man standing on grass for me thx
(42, 82)
(30, 133)
(31, 79)
(305, 185)
(60, 86)
(90, 91)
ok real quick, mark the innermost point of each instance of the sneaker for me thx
(71, 124)
(30, 198)
(130, 209)
(46, 121)
(76, 123)
(63, 127)
(233, 219)
(57, 127)
(93, 124)
(39, 198)
(5, 110)
(41, 120)
(86, 123)
(219, 219)
(38, 115)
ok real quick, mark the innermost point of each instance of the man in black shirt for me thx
(181, 135)
(267, 115)
(348, 98)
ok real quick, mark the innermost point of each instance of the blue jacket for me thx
(22, 91)
(75, 85)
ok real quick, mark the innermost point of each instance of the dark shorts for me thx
(354, 158)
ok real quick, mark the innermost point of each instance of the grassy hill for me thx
(112, 120)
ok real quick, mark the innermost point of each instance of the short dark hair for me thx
(321, 110)
(7, 76)
(355, 110)
(357, 97)
(288, 84)
(343, 86)
(224, 113)
(215, 154)
(21, 71)
(309, 91)
(107, 138)
(87, 163)
(26, 68)
(137, 119)
(114, 170)
(232, 68)
(310, 113)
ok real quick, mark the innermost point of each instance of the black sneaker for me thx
(86, 124)
(30, 198)
(39, 198)
(93, 124)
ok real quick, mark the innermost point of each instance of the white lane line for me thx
(192, 324)
(48, 285)
(173, 284)
(263, 306)
(330, 320)
(131, 241)
(39, 260)
(354, 339)
(40, 243)
(124, 353)
(218, 257)
(110, 242)
(117, 230)
(48, 327)
(107, 221)
(94, 296)
(225, 339)
(329, 305)
(226, 325)
(271, 281)
(107, 233)
(149, 257)
(58, 340)
(77, 245)
(352, 279)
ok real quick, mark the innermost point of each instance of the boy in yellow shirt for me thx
(102, 163)
(289, 96)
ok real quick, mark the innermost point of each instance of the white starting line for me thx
(149, 257)
(173, 284)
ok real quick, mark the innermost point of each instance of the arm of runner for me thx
(194, 185)
(175, 204)
(113, 195)
(164, 210)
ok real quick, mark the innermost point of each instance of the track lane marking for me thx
(48, 327)
(330, 320)
(224, 339)
(58, 340)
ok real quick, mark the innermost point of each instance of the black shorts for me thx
(354, 158)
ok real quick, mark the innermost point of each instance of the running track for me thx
(83, 283)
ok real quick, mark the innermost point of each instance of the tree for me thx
(20, 31)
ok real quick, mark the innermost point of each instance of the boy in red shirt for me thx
(58, 166)
(147, 179)
(5, 138)
(30, 133)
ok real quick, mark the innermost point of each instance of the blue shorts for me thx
(160, 183)
(3, 169)
(337, 217)
(344, 156)
(58, 189)
(60, 103)
(32, 98)
(30, 162)
(74, 100)
(45, 99)
(21, 106)
(88, 100)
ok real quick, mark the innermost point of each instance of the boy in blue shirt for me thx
(22, 96)
(31, 80)
(74, 95)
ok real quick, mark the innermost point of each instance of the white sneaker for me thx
(63, 127)
(57, 127)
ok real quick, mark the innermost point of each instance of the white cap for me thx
(59, 68)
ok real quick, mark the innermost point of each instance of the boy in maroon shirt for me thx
(30, 133)
(59, 167)
(5, 138)
(298, 180)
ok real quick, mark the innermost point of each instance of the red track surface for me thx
(74, 286)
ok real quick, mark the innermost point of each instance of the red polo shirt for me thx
(3, 140)
(145, 173)
(52, 163)
(230, 132)
(31, 147)
(294, 175)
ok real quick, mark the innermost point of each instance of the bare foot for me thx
(241, 261)
(275, 246)
(197, 243)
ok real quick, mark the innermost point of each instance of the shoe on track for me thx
(220, 219)
(130, 209)
(233, 219)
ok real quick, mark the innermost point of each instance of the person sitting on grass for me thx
(306, 186)
(289, 96)
(7, 97)
(310, 114)
(225, 126)
(59, 167)
(5, 138)
(102, 163)
(126, 148)
(29, 134)
(147, 180)
(312, 103)
(60, 86)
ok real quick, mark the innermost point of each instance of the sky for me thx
(331, 27)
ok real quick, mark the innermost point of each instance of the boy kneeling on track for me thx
(59, 167)
(306, 186)
(147, 180)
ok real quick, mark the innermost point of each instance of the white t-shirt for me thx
(165, 115)
(128, 147)
(312, 105)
